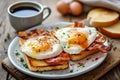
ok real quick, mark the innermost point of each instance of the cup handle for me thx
(48, 13)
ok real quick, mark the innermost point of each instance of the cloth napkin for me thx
(110, 4)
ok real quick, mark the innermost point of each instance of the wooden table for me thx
(7, 33)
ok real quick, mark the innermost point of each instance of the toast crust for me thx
(109, 33)
(101, 17)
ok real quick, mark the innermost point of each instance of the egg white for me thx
(53, 51)
(63, 35)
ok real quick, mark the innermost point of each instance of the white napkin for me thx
(110, 4)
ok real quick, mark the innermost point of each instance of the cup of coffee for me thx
(26, 14)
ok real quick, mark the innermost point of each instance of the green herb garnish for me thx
(68, 36)
(8, 36)
(111, 45)
(64, 46)
(57, 27)
(25, 65)
(114, 48)
(71, 70)
(5, 40)
(68, 47)
(21, 59)
(108, 40)
(17, 53)
(82, 65)
(63, 33)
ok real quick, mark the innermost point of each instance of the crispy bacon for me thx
(99, 44)
(23, 35)
(32, 33)
(79, 24)
(63, 58)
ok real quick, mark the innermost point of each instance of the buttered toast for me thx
(40, 65)
(112, 31)
(101, 17)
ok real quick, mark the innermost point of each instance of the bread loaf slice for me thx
(112, 31)
(83, 54)
(101, 17)
(40, 65)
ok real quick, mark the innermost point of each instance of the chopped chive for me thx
(17, 53)
(111, 45)
(64, 46)
(114, 48)
(25, 65)
(57, 27)
(64, 33)
(21, 59)
(71, 70)
(68, 47)
(8, 36)
(68, 36)
(82, 65)
(5, 40)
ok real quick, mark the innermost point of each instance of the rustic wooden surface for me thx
(5, 28)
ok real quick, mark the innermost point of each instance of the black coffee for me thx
(25, 11)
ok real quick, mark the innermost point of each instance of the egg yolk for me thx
(79, 38)
(43, 46)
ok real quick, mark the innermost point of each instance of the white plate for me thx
(75, 68)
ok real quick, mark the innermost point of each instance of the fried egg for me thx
(74, 40)
(41, 47)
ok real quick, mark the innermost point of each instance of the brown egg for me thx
(62, 7)
(76, 8)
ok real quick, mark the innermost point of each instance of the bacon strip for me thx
(24, 35)
(79, 24)
(63, 58)
(99, 44)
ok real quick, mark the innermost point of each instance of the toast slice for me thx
(101, 17)
(40, 65)
(112, 31)
(83, 54)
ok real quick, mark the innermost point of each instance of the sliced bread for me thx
(112, 31)
(40, 65)
(101, 17)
